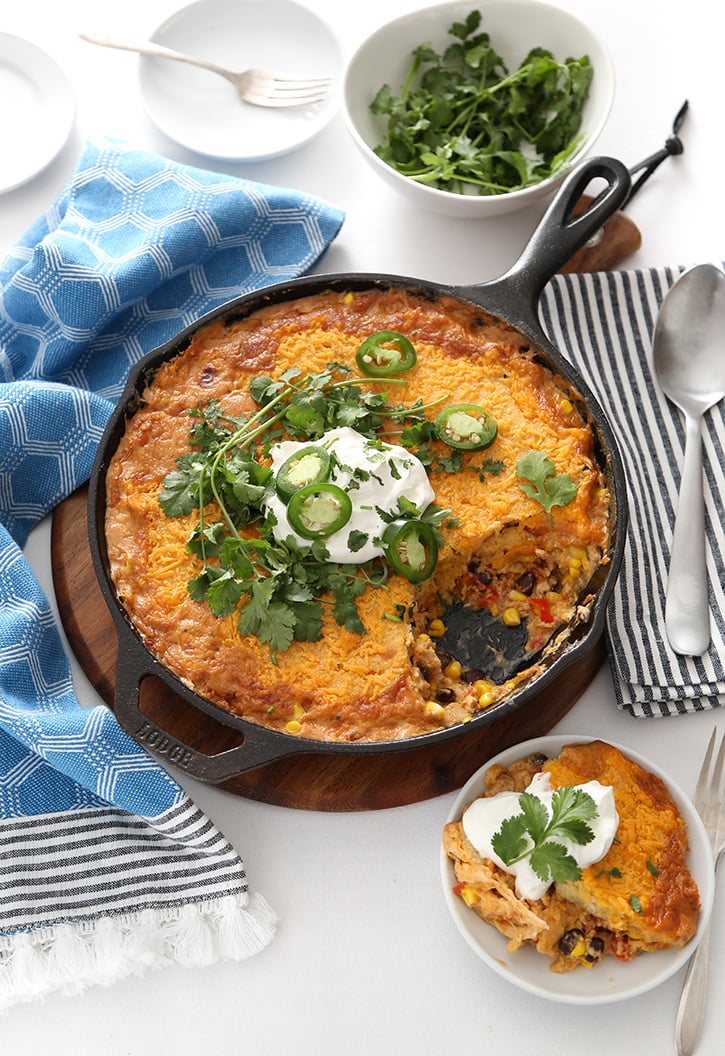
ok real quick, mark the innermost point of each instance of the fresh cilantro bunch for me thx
(536, 834)
(543, 482)
(464, 123)
(328, 400)
(279, 588)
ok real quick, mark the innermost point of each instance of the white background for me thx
(366, 959)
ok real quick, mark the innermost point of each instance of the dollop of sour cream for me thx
(483, 818)
(374, 474)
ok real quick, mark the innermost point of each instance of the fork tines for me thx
(269, 88)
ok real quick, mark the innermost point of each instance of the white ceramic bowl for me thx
(202, 111)
(515, 27)
(613, 980)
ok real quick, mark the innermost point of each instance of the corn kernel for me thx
(436, 628)
(580, 949)
(516, 595)
(293, 726)
(348, 298)
(511, 617)
(469, 896)
(486, 699)
(566, 406)
(432, 707)
(453, 670)
(298, 711)
(423, 638)
(579, 552)
(482, 686)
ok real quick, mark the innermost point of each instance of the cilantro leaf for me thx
(551, 860)
(223, 594)
(183, 487)
(308, 621)
(271, 621)
(510, 841)
(345, 589)
(535, 815)
(536, 833)
(356, 540)
(543, 483)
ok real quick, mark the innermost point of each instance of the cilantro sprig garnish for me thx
(543, 482)
(280, 589)
(464, 122)
(536, 834)
(422, 436)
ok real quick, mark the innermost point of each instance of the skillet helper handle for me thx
(257, 749)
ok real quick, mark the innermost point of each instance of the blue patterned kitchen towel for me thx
(107, 868)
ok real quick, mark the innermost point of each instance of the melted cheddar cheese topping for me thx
(504, 559)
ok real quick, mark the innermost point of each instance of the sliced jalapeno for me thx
(309, 465)
(384, 354)
(466, 427)
(411, 548)
(318, 510)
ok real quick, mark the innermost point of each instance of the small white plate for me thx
(202, 111)
(612, 980)
(38, 110)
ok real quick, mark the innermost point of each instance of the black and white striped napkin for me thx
(603, 323)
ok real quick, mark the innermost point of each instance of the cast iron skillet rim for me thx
(505, 298)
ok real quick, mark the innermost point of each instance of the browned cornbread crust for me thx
(388, 683)
(640, 897)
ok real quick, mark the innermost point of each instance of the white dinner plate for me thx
(202, 111)
(612, 980)
(38, 110)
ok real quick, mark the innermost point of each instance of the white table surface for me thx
(366, 959)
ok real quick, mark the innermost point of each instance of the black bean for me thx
(595, 949)
(445, 695)
(482, 574)
(526, 582)
(472, 675)
(444, 657)
(537, 758)
(569, 940)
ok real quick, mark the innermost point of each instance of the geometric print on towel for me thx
(107, 868)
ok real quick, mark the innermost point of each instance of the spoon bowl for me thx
(688, 353)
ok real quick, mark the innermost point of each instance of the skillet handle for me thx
(560, 233)
(259, 748)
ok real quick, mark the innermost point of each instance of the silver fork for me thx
(710, 805)
(255, 86)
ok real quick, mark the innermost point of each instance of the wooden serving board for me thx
(315, 781)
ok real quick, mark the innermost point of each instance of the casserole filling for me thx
(466, 589)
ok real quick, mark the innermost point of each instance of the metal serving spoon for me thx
(689, 361)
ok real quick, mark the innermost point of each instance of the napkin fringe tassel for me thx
(70, 958)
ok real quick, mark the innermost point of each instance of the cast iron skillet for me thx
(513, 298)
